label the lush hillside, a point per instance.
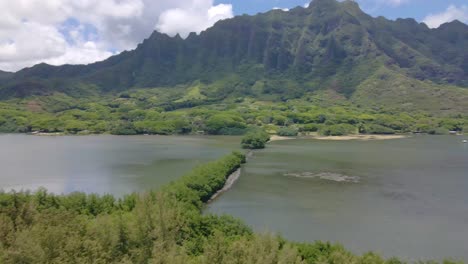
(328, 45)
(405, 94)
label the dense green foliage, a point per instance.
(288, 132)
(164, 226)
(277, 56)
(134, 115)
(256, 139)
(338, 130)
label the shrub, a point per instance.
(155, 127)
(123, 129)
(378, 129)
(338, 130)
(465, 129)
(288, 132)
(225, 123)
(255, 140)
(310, 128)
(439, 131)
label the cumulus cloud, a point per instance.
(26, 41)
(198, 16)
(279, 8)
(84, 31)
(450, 14)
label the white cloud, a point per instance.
(450, 14)
(80, 54)
(394, 2)
(84, 31)
(279, 8)
(195, 18)
(31, 41)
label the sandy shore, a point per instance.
(47, 134)
(342, 138)
(280, 138)
(361, 137)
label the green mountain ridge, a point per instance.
(4, 74)
(329, 45)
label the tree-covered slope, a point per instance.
(329, 45)
(396, 91)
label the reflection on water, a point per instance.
(407, 197)
(328, 176)
(403, 197)
(103, 164)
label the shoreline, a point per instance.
(273, 138)
(44, 134)
(341, 138)
(230, 180)
(280, 138)
(361, 137)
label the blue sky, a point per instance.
(417, 9)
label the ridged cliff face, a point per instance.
(330, 44)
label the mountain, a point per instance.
(4, 74)
(329, 45)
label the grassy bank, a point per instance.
(163, 226)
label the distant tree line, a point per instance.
(287, 119)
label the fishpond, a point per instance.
(103, 164)
(403, 197)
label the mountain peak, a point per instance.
(319, 44)
(333, 5)
(454, 26)
(456, 23)
(331, 2)
(322, 3)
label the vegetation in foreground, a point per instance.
(164, 226)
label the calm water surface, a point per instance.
(406, 198)
(103, 164)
